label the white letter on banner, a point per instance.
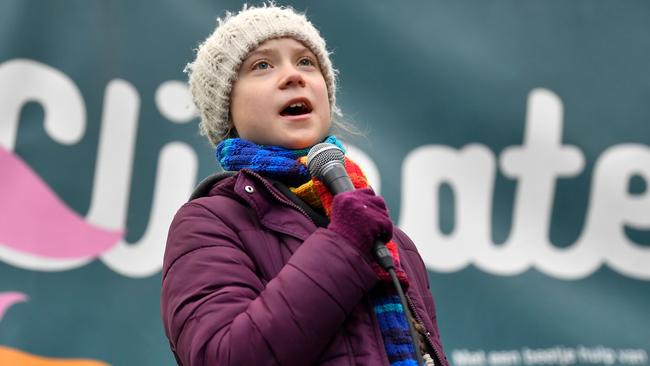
(114, 165)
(612, 207)
(366, 164)
(175, 177)
(174, 101)
(536, 164)
(23, 81)
(470, 173)
(175, 180)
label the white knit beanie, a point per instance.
(215, 69)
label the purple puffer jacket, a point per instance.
(249, 279)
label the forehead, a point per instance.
(279, 44)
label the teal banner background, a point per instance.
(510, 140)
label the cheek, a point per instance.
(235, 103)
(326, 110)
(323, 99)
(242, 103)
(327, 117)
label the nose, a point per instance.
(292, 78)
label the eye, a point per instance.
(306, 61)
(261, 65)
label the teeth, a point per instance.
(296, 105)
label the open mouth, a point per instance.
(296, 108)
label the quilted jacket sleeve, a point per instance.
(216, 311)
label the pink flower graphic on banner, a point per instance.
(33, 220)
(8, 299)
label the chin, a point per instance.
(297, 145)
(302, 143)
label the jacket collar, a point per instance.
(274, 210)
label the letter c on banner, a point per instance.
(23, 81)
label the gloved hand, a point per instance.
(361, 217)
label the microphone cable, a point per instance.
(325, 161)
(384, 259)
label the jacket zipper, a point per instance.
(428, 334)
(277, 197)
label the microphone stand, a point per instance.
(384, 259)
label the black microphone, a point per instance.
(326, 163)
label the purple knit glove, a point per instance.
(361, 217)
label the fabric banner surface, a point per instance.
(511, 141)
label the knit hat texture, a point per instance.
(219, 57)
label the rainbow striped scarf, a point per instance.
(289, 166)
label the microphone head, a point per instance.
(322, 155)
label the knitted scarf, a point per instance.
(289, 166)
